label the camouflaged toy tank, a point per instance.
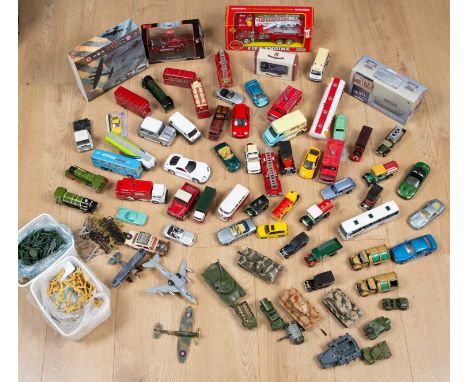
(340, 305)
(376, 353)
(306, 315)
(259, 265)
(223, 284)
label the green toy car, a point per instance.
(401, 303)
(375, 353)
(413, 181)
(229, 159)
(339, 127)
(376, 327)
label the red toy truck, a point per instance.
(184, 200)
(280, 211)
(179, 77)
(285, 103)
(133, 102)
(361, 143)
(270, 174)
(331, 160)
(134, 189)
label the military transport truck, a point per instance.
(329, 248)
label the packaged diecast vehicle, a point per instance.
(256, 93)
(411, 249)
(230, 161)
(413, 181)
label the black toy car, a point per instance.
(322, 280)
(371, 198)
(276, 69)
(257, 206)
(285, 158)
(294, 245)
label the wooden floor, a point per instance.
(409, 36)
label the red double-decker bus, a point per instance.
(331, 160)
(285, 103)
(133, 102)
(199, 99)
(179, 77)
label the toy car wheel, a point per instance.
(129, 198)
(140, 135)
(194, 180)
(289, 41)
(128, 236)
(279, 41)
(246, 41)
(171, 172)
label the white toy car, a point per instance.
(179, 235)
(198, 172)
(252, 159)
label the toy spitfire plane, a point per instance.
(175, 282)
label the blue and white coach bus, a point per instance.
(119, 164)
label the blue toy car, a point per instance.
(256, 93)
(410, 249)
(132, 217)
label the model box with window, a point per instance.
(276, 64)
(385, 90)
(173, 41)
(285, 28)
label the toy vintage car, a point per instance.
(285, 158)
(341, 351)
(339, 127)
(343, 186)
(414, 180)
(299, 241)
(423, 216)
(257, 206)
(255, 92)
(319, 281)
(184, 200)
(371, 198)
(220, 117)
(229, 96)
(272, 230)
(132, 217)
(197, 172)
(400, 303)
(310, 163)
(411, 249)
(376, 327)
(376, 353)
(240, 121)
(179, 235)
(381, 172)
(146, 241)
(236, 231)
(252, 159)
(224, 152)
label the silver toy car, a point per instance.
(343, 186)
(236, 231)
(179, 235)
(423, 216)
(229, 96)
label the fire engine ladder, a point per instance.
(224, 70)
(271, 173)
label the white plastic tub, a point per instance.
(94, 319)
(46, 221)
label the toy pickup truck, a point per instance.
(183, 201)
(280, 211)
(220, 117)
(329, 248)
(317, 213)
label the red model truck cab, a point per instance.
(331, 160)
(134, 189)
(184, 200)
(361, 143)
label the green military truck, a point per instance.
(270, 312)
(329, 248)
(204, 204)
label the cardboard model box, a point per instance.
(283, 28)
(108, 59)
(382, 88)
(173, 41)
(272, 63)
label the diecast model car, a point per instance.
(115, 124)
(197, 172)
(430, 211)
(299, 241)
(269, 231)
(413, 181)
(229, 96)
(236, 231)
(371, 198)
(339, 127)
(184, 200)
(255, 92)
(400, 303)
(410, 249)
(310, 163)
(257, 206)
(252, 159)
(343, 186)
(229, 159)
(376, 327)
(179, 235)
(279, 70)
(240, 121)
(132, 217)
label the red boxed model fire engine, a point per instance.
(275, 27)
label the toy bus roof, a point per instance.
(284, 123)
(320, 59)
(116, 159)
(368, 216)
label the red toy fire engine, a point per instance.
(199, 99)
(223, 69)
(270, 174)
(284, 28)
(133, 102)
(285, 103)
(133, 189)
(280, 211)
(331, 160)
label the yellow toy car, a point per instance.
(116, 124)
(310, 163)
(269, 231)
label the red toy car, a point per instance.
(184, 200)
(240, 121)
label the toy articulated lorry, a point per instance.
(329, 248)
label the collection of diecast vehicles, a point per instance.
(286, 123)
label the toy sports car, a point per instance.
(224, 152)
(179, 235)
(430, 211)
(229, 96)
(198, 172)
(236, 231)
(410, 249)
(132, 217)
(413, 181)
(255, 92)
(310, 163)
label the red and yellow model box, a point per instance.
(285, 28)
